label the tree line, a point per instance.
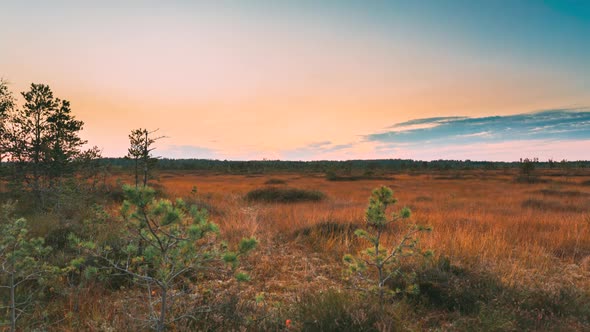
(346, 166)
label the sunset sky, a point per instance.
(307, 80)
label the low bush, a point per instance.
(446, 286)
(275, 181)
(284, 195)
(333, 311)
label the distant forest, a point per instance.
(351, 166)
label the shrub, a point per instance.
(527, 166)
(446, 286)
(527, 171)
(284, 195)
(22, 262)
(275, 181)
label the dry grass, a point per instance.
(524, 234)
(475, 222)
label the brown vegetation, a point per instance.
(508, 255)
(531, 237)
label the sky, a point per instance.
(312, 80)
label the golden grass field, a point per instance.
(478, 216)
(526, 234)
(531, 236)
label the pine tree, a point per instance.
(21, 261)
(64, 143)
(177, 240)
(381, 259)
(140, 151)
(43, 139)
(33, 132)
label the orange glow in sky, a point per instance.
(251, 82)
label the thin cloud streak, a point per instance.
(561, 124)
(315, 151)
(187, 151)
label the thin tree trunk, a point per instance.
(136, 173)
(380, 269)
(37, 159)
(145, 174)
(162, 320)
(36, 187)
(12, 304)
(146, 158)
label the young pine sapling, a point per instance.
(379, 258)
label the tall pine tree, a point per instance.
(140, 151)
(43, 139)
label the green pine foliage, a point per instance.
(381, 262)
(164, 242)
(23, 265)
(6, 105)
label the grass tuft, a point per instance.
(328, 229)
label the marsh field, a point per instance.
(507, 255)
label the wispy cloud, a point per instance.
(320, 150)
(427, 122)
(187, 151)
(319, 145)
(561, 124)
